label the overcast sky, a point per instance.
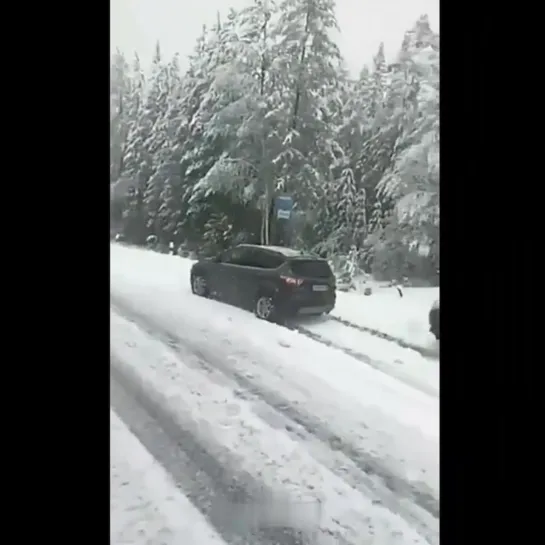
(137, 24)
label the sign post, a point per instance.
(283, 209)
(283, 206)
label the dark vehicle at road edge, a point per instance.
(434, 319)
(273, 281)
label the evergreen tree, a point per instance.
(312, 78)
(119, 116)
(412, 181)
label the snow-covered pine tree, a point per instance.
(119, 92)
(125, 159)
(413, 178)
(210, 88)
(171, 210)
(137, 133)
(239, 118)
(355, 131)
(155, 145)
(404, 220)
(310, 65)
(380, 144)
(357, 160)
(260, 128)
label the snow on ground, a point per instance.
(404, 318)
(232, 430)
(405, 364)
(372, 411)
(384, 311)
(145, 505)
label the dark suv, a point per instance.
(273, 281)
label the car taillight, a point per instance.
(291, 281)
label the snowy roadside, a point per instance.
(227, 423)
(404, 318)
(145, 505)
(407, 365)
(384, 312)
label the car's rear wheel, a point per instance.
(199, 285)
(264, 308)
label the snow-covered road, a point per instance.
(145, 505)
(282, 430)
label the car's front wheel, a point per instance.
(199, 285)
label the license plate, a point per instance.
(319, 287)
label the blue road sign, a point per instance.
(283, 206)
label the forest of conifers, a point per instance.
(264, 107)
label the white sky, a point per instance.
(137, 24)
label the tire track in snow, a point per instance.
(426, 352)
(216, 493)
(383, 368)
(365, 463)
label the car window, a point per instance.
(236, 256)
(252, 257)
(246, 257)
(311, 268)
(267, 260)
